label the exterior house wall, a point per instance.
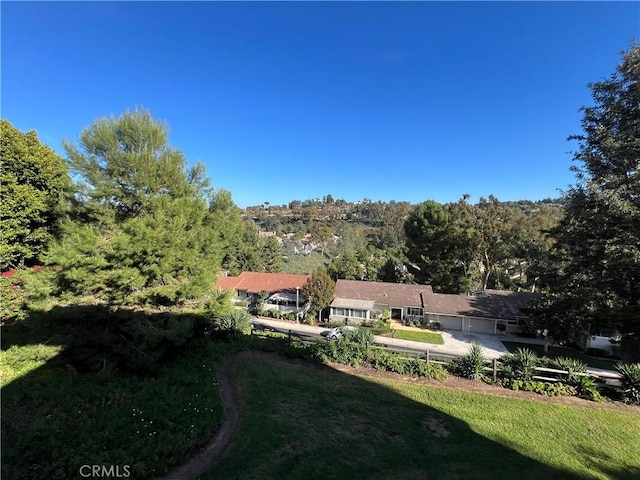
(353, 314)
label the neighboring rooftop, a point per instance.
(256, 282)
(500, 304)
(382, 293)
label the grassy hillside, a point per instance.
(305, 422)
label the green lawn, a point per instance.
(427, 337)
(298, 421)
(555, 352)
(54, 420)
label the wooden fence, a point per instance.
(546, 374)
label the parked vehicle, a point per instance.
(337, 332)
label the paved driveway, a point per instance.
(455, 343)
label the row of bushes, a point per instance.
(308, 318)
(518, 370)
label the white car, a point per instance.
(336, 333)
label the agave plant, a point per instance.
(521, 365)
(630, 379)
(572, 366)
(472, 364)
(231, 325)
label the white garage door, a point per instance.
(478, 325)
(450, 323)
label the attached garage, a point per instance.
(450, 322)
(481, 325)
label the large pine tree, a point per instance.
(141, 230)
(595, 285)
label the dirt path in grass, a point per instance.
(213, 452)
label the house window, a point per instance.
(339, 311)
(358, 313)
(513, 322)
(417, 311)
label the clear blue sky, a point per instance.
(284, 101)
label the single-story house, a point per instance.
(359, 300)
(479, 312)
(284, 289)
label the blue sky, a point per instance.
(295, 100)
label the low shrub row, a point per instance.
(356, 350)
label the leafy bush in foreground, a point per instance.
(543, 388)
(349, 351)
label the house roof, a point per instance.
(382, 293)
(350, 303)
(498, 304)
(256, 282)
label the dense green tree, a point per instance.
(141, 230)
(594, 284)
(392, 234)
(33, 183)
(319, 291)
(498, 228)
(347, 267)
(431, 248)
(270, 255)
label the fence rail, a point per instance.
(548, 374)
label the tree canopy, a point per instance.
(141, 230)
(319, 290)
(33, 181)
(431, 248)
(596, 260)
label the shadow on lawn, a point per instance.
(298, 422)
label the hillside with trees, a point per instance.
(456, 247)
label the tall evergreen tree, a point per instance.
(594, 285)
(141, 230)
(432, 240)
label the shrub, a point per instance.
(384, 360)
(420, 368)
(231, 326)
(572, 365)
(363, 336)
(543, 388)
(471, 365)
(630, 379)
(12, 297)
(520, 365)
(586, 387)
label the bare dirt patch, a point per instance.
(437, 426)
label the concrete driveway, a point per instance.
(455, 343)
